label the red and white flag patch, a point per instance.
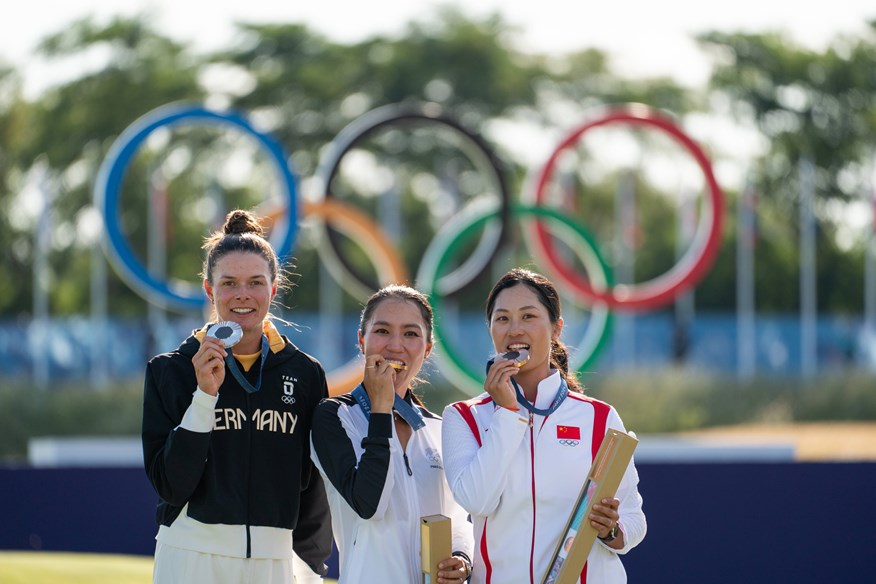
(568, 433)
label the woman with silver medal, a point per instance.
(225, 447)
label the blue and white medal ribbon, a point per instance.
(238, 375)
(409, 414)
(558, 399)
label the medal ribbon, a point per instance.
(238, 375)
(558, 399)
(409, 413)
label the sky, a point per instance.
(642, 37)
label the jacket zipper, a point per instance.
(248, 478)
(413, 497)
(532, 458)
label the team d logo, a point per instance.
(288, 392)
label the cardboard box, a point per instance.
(435, 545)
(605, 475)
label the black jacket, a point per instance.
(254, 467)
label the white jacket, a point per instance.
(521, 479)
(378, 492)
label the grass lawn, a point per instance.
(70, 568)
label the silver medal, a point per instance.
(229, 332)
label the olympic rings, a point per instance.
(107, 190)
(692, 266)
(395, 114)
(491, 216)
(451, 239)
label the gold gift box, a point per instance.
(435, 545)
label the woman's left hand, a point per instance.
(452, 571)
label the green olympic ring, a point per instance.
(455, 234)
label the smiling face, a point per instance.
(520, 321)
(397, 331)
(242, 290)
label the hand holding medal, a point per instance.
(498, 383)
(209, 361)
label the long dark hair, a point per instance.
(549, 297)
(408, 294)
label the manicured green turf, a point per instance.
(52, 568)
(68, 568)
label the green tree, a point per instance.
(71, 125)
(304, 89)
(808, 104)
(811, 105)
(470, 67)
(13, 131)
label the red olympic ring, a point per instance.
(688, 271)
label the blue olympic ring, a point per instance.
(107, 190)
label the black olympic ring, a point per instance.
(395, 115)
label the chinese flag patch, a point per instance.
(568, 433)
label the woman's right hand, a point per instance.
(452, 570)
(498, 383)
(209, 364)
(379, 383)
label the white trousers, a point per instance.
(178, 566)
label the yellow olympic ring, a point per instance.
(361, 228)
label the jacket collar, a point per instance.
(547, 390)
